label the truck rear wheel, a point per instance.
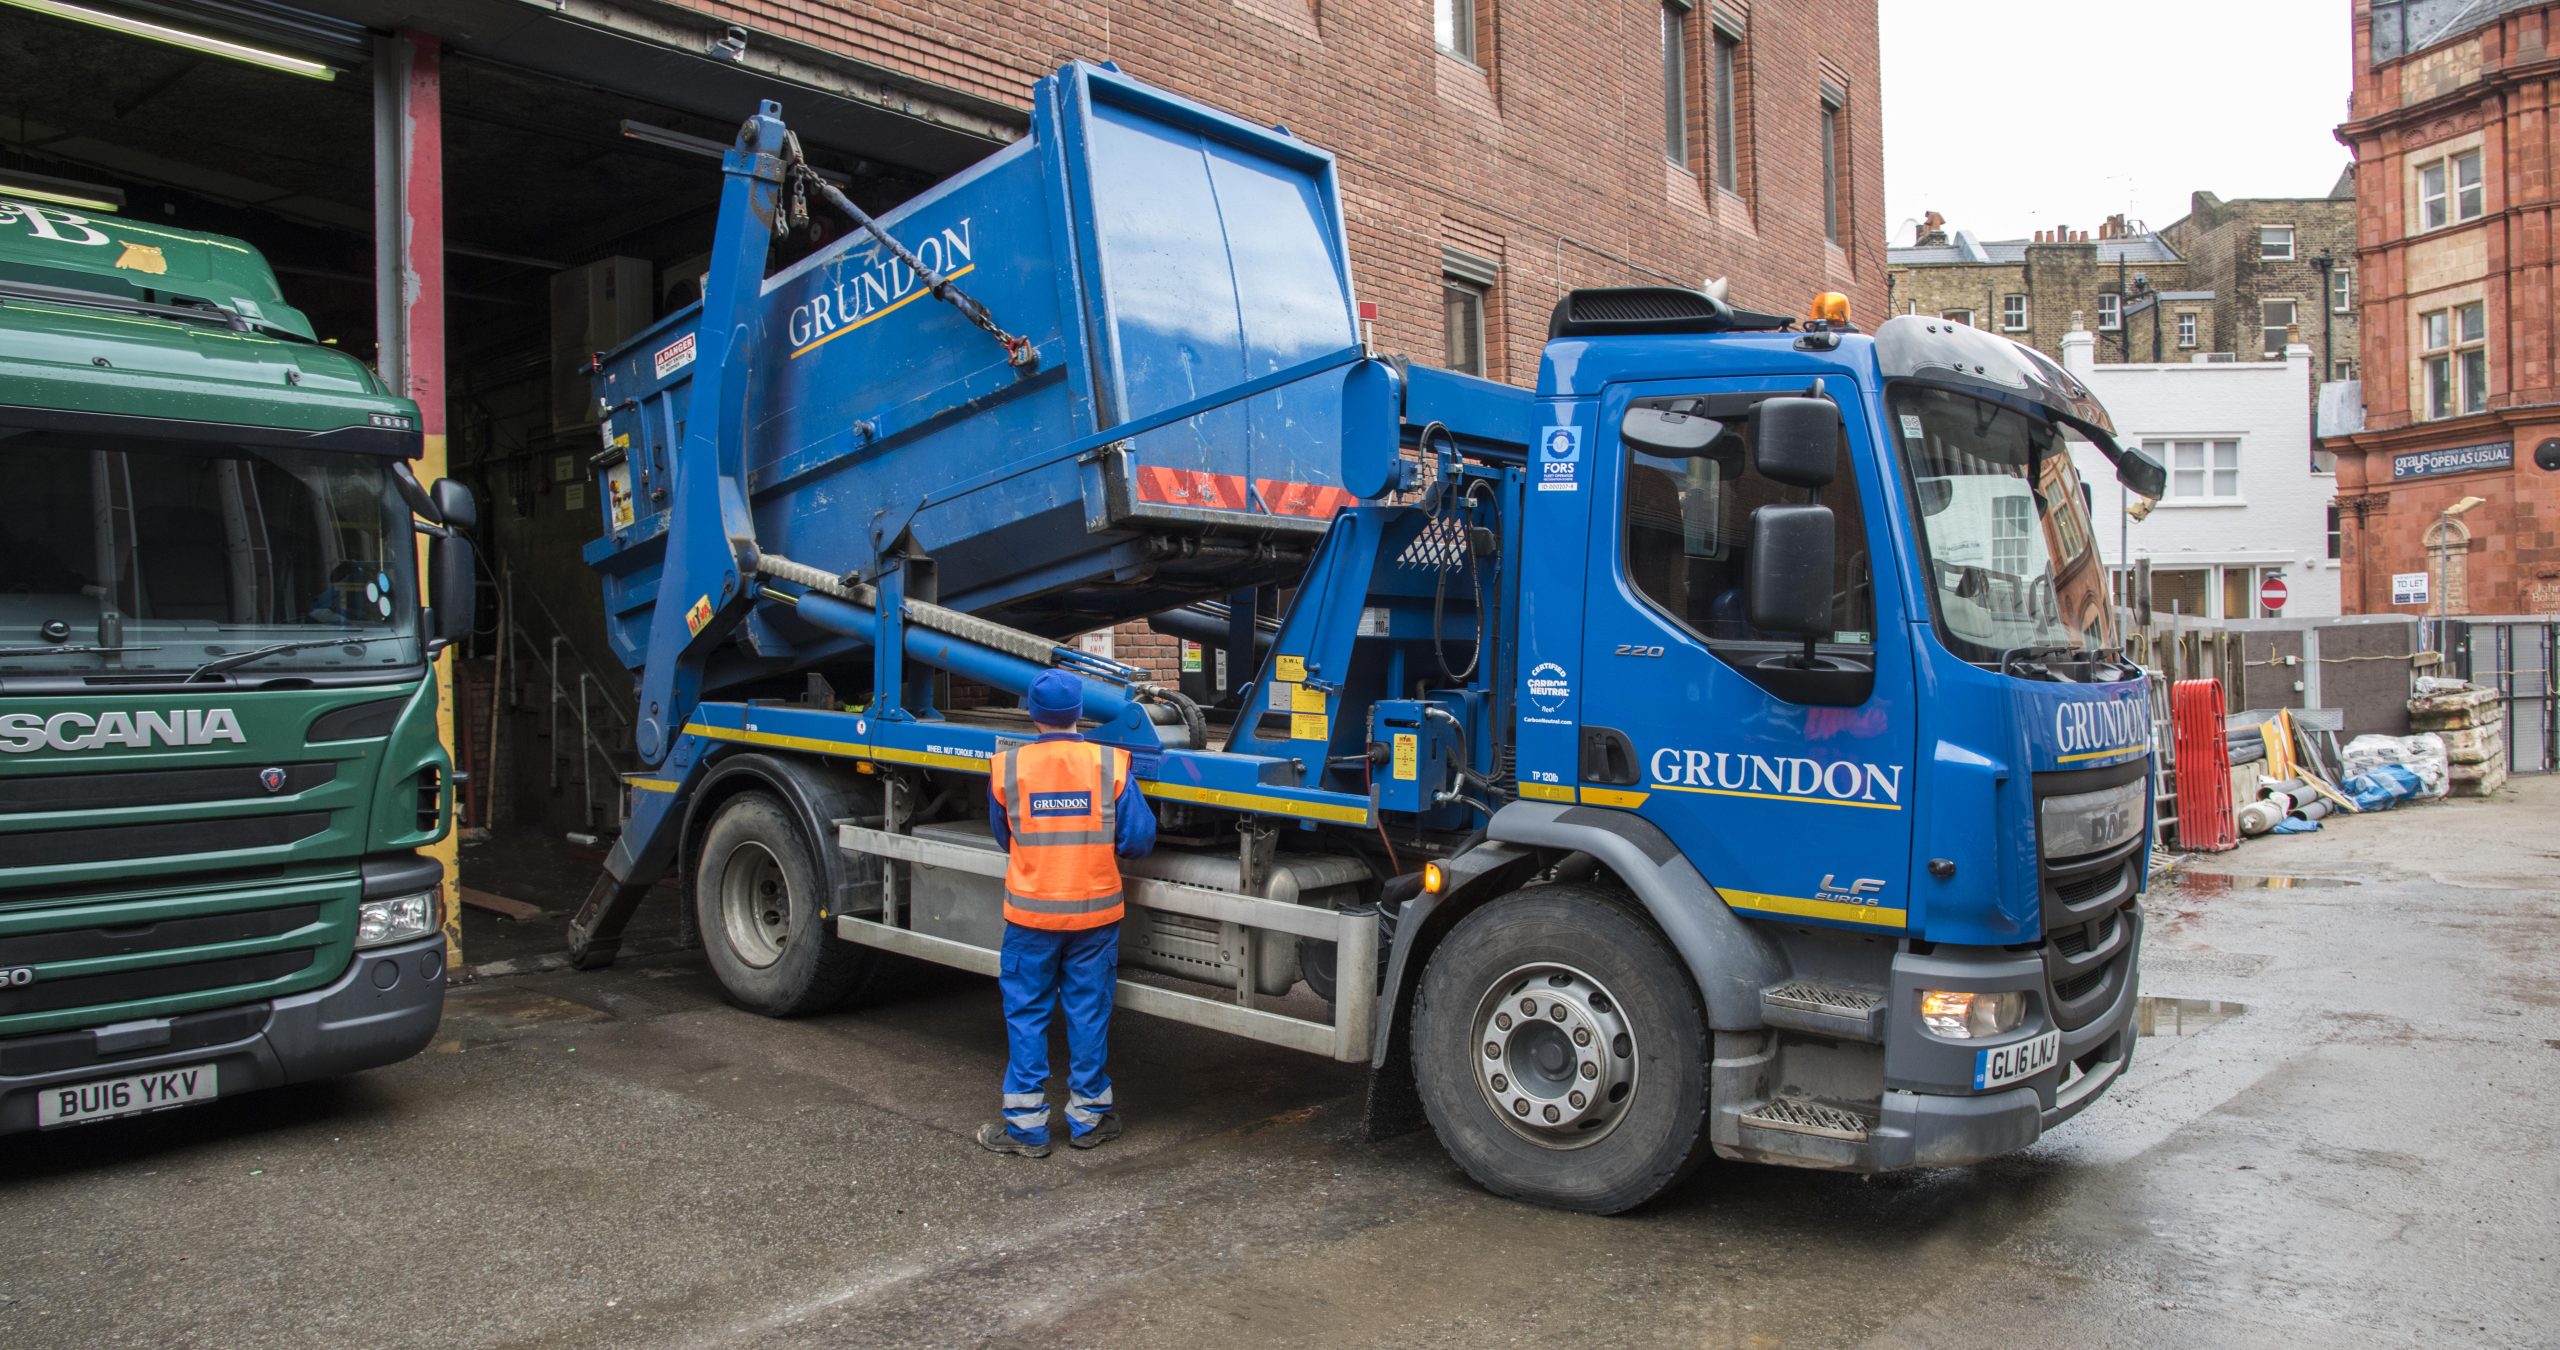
(756, 897)
(1560, 1052)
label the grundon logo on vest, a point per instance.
(22, 732)
(1061, 803)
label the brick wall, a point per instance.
(1935, 290)
(2220, 242)
(2060, 278)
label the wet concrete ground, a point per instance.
(2362, 1156)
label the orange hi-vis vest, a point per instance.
(1058, 796)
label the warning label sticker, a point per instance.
(674, 356)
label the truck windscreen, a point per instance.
(2013, 563)
(127, 559)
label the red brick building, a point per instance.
(2458, 199)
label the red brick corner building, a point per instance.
(2456, 135)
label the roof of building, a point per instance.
(2404, 26)
(1965, 250)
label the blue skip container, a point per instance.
(1180, 433)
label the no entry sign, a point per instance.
(2271, 593)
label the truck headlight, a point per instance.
(399, 918)
(1967, 1014)
(2092, 822)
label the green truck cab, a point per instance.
(219, 760)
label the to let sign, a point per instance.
(2408, 588)
(2272, 594)
(2459, 459)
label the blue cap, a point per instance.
(1055, 698)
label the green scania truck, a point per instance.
(219, 761)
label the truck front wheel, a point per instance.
(1560, 1051)
(756, 899)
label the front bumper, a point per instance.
(1815, 1102)
(385, 1008)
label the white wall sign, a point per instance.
(2408, 588)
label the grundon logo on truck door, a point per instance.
(1790, 778)
(22, 732)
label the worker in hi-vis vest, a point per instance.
(1066, 811)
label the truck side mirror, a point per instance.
(450, 568)
(454, 505)
(1796, 441)
(1793, 561)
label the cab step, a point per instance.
(1844, 1012)
(1804, 1115)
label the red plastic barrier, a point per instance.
(2206, 822)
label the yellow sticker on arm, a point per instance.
(1306, 700)
(1406, 745)
(1292, 668)
(1309, 727)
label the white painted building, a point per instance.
(2245, 499)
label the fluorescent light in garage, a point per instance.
(179, 37)
(36, 187)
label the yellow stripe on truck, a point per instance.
(1797, 907)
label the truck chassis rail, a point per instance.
(1355, 937)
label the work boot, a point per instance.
(993, 1137)
(1103, 1132)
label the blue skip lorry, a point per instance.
(1722, 748)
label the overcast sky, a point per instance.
(2009, 116)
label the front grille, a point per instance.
(125, 986)
(2087, 906)
(203, 930)
(126, 843)
(159, 787)
(2079, 941)
(2075, 892)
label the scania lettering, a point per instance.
(1718, 750)
(218, 751)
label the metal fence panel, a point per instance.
(2520, 658)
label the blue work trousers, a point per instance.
(1041, 967)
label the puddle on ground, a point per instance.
(483, 1014)
(2222, 883)
(2183, 1016)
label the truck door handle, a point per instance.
(1607, 756)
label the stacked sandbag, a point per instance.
(2473, 725)
(2423, 755)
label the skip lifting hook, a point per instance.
(1018, 351)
